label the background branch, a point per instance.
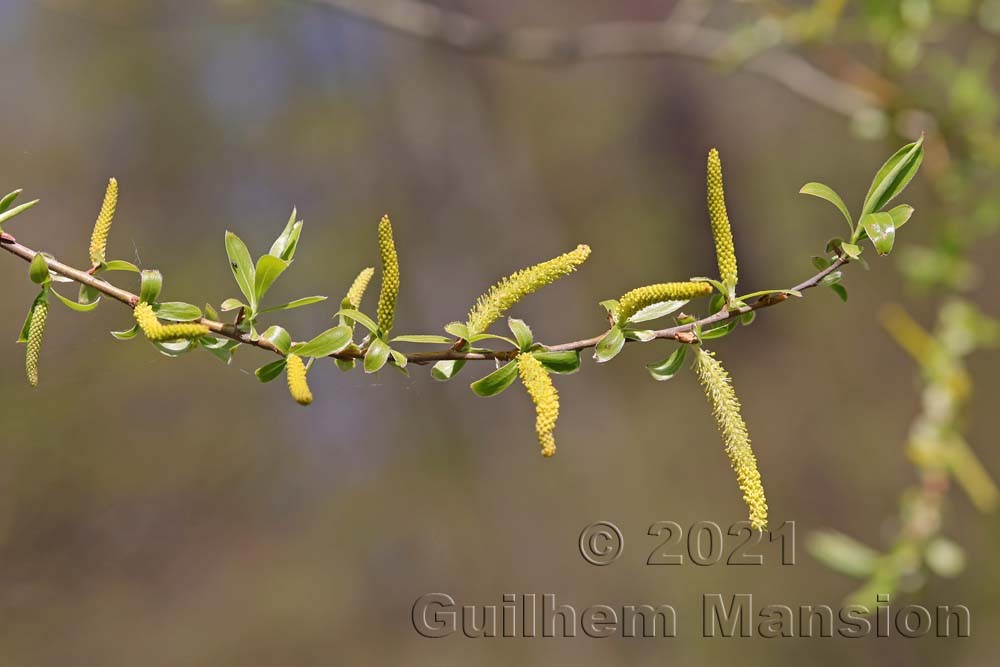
(623, 39)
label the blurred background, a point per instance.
(177, 512)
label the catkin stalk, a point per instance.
(390, 276)
(641, 297)
(99, 237)
(297, 385)
(545, 397)
(726, 409)
(36, 329)
(358, 287)
(158, 332)
(490, 306)
(725, 252)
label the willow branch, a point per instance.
(683, 333)
(612, 40)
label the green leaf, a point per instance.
(221, 349)
(376, 355)
(174, 348)
(38, 270)
(765, 292)
(880, 229)
(666, 369)
(297, 303)
(522, 333)
(17, 210)
(278, 337)
(177, 311)
(128, 334)
(826, 192)
(398, 359)
(210, 312)
(360, 318)
(232, 304)
(330, 341)
(8, 199)
(120, 265)
(747, 319)
(285, 245)
(610, 305)
(821, 262)
(497, 381)
(42, 296)
(610, 345)
(269, 268)
(840, 290)
(851, 250)
(657, 310)
(429, 339)
(270, 371)
(447, 369)
(88, 294)
(719, 331)
(214, 343)
(242, 267)
(150, 286)
(832, 278)
(73, 305)
(644, 335)
(344, 364)
(563, 362)
(900, 215)
(894, 176)
(719, 287)
(458, 330)
(843, 554)
(486, 336)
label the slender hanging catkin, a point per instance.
(490, 306)
(545, 397)
(390, 276)
(358, 287)
(36, 329)
(726, 408)
(634, 301)
(99, 238)
(297, 385)
(725, 252)
(157, 332)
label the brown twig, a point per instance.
(682, 333)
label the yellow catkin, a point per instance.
(545, 397)
(490, 306)
(36, 329)
(358, 287)
(634, 301)
(158, 332)
(297, 385)
(725, 252)
(99, 239)
(726, 408)
(390, 276)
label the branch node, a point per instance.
(686, 337)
